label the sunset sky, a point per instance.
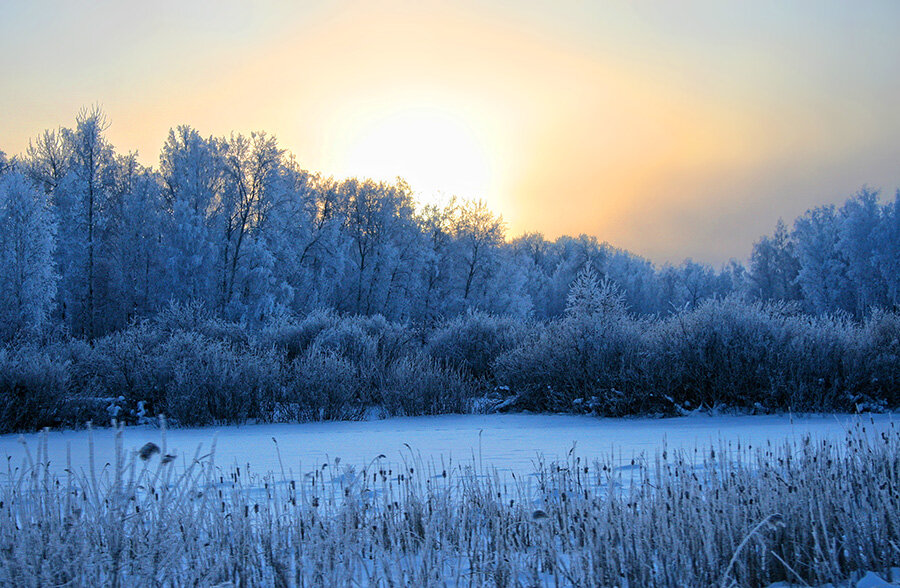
(673, 129)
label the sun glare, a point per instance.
(435, 151)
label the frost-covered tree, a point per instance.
(482, 269)
(584, 297)
(75, 167)
(887, 258)
(687, 285)
(236, 225)
(131, 267)
(47, 160)
(507, 294)
(823, 272)
(27, 271)
(300, 236)
(323, 255)
(382, 232)
(478, 233)
(858, 244)
(535, 256)
(635, 277)
(732, 279)
(565, 259)
(192, 174)
(774, 267)
(5, 164)
(697, 282)
(436, 284)
(593, 298)
(251, 190)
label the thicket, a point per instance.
(598, 359)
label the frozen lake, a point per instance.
(508, 442)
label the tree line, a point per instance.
(230, 284)
(92, 240)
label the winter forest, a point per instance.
(308, 297)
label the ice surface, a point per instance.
(508, 442)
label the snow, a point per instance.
(868, 580)
(507, 442)
(872, 580)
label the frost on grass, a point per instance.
(807, 511)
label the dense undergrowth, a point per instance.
(197, 369)
(807, 512)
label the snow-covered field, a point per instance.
(509, 442)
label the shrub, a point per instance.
(347, 339)
(293, 338)
(723, 351)
(124, 364)
(393, 340)
(32, 391)
(817, 367)
(182, 317)
(321, 385)
(474, 340)
(880, 357)
(418, 385)
(595, 359)
(582, 362)
(195, 317)
(208, 381)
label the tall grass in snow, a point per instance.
(805, 512)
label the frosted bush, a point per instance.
(819, 367)
(350, 341)
(294, 337)
(124, 363)
(320, 385)
(582, 362)
(195, 317)
(722, 352)
(596, 359)
(222, 330)
(474, 340)
(393, 340)
(418, 385)
(771, 357)
(210, 381)
(880, 354)
(32, 390)
(188, 316)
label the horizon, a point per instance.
(671, 134)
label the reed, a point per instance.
(809, 511)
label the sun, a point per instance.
(437, 153)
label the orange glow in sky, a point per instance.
(671, 129)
